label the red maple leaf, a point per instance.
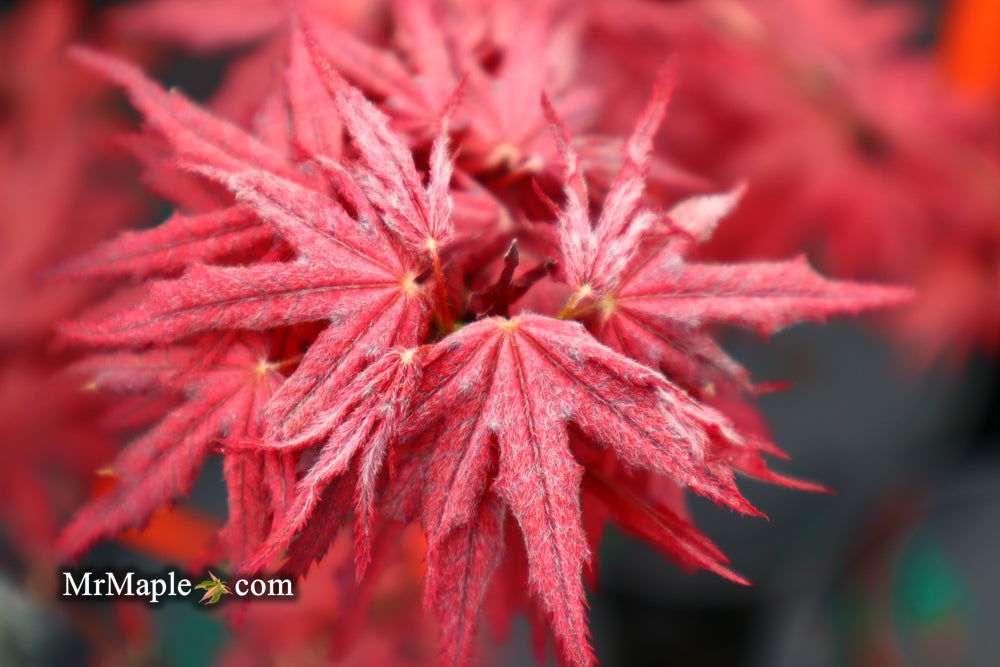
(223, 383)
(630, 270)
(519, 383)
(511, 439)
(360, 424)
(350, 275)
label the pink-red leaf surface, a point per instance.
(225, 386)
(502, 394)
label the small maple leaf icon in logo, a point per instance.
(215, 588)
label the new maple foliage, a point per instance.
(859, 150)
(350, 323)
(223, 384)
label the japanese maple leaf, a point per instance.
(663, 306)
(652, 304)
(595, 255)
(495, 404)
(360, 275)
(224, 384)
(421, 216)
(359, 425)
(351, 275)
(485, 428)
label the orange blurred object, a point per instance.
(176, 535)
(971, 46)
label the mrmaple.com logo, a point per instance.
(92, 584)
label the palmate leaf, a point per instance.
(631, 273)
(595, 255)
(356, 430)
(349, 274)
(420, 216)
(225, 383)
(662, 309)
(356, 274)
(502, 393)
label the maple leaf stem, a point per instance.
(574, 300)
(289, 361)
(441, 292)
